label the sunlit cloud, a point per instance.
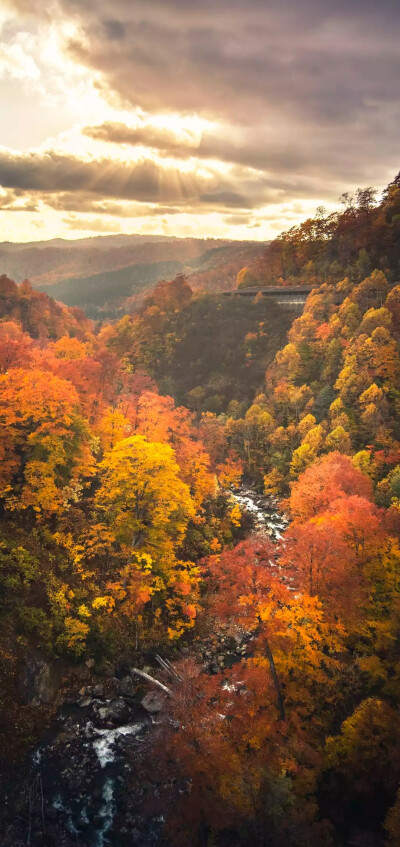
(234, 118)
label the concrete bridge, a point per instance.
(290, 296)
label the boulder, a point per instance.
(153, 702)
(84, 701)
(117, 711)
(39, 681)
(125, 687)
(98, 690)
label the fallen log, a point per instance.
(148, 678)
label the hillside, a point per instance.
(48, 262)
(120, 540)
(108, 275)
(363, 237)
(209, 352)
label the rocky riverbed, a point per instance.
(82, 787)
(87, 782)
(264, 512)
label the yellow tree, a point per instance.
(143, 497)
(148, 507)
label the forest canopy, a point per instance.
(124, 448)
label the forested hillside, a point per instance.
(209, 352)
(109, 276)
(352, 243)
(272, 658)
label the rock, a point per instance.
(84, 701)
(153, 702)
(38, 682)
(125, 687)
(98, 690)
(62, 736)
(117, 711)
(103, 713)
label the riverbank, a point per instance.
(88, 783)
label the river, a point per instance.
(83, 786)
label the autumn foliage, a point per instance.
(120, 533)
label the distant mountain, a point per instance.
(109, 275)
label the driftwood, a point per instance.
(166, 665)
(151, 679)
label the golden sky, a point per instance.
(232, 118)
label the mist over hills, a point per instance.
(108, 275)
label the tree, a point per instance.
(16, 347)
(45, 443)
(238, 737)
(338, 439)
(325, 481)
(142, 497)
(245, 278)
(364, 757)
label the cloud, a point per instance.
(85, 203)
(265, 149)
(16, 201)
(300, 58)
(143, 181)
(297, 86)
(92, 224)
(15, 63)
(301, 98)
(146, 135)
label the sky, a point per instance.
(221, 118)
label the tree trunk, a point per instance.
(277, 684)
(151, 679)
